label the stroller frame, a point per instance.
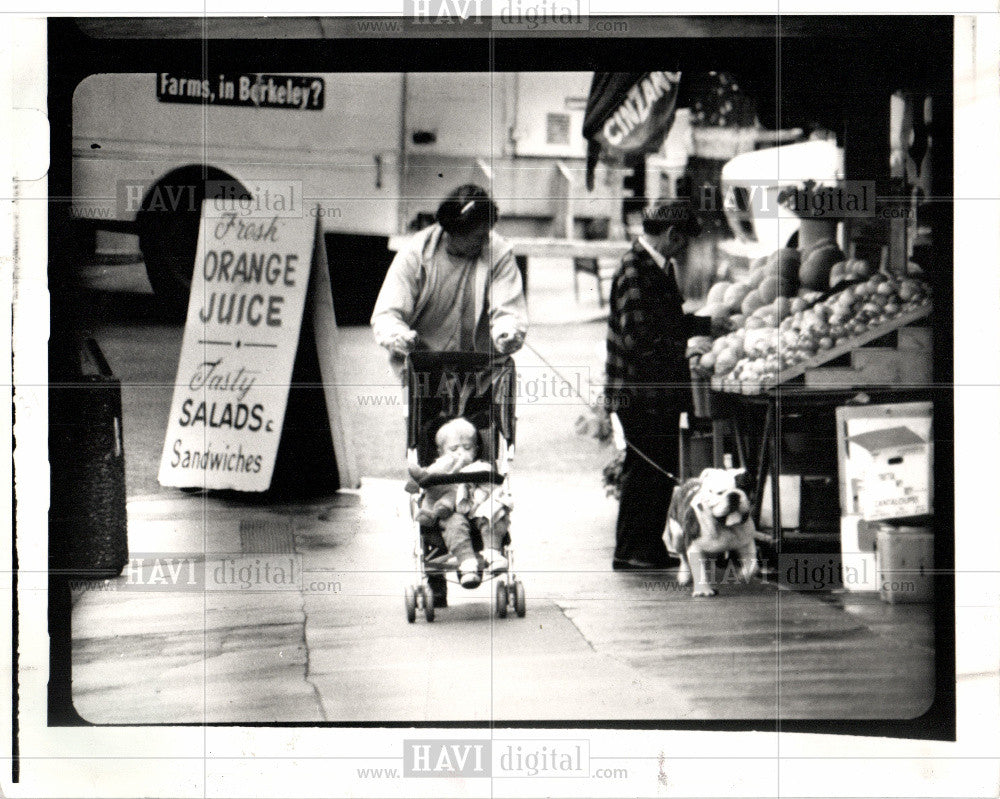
(443, 386)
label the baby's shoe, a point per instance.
(495, 561)
(468, 573)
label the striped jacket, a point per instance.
(647, 336)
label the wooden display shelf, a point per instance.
(747, 387)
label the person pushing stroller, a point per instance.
(453, 287)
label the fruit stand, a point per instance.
(795, 348)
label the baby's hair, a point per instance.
(456, 427)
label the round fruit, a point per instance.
(785, 263)
(735, 294)
(717, 292)
(754, 323)
(908, 290)
(817, 267)
(757, 276)
(782, 307)
(751, 303)
(725, 362)
(787, 288)
(859, 269)
(718, 312)
(708, 361)
(798, 304)
(768, 290)
(826, 343)
(737, 321)
(838, 274)
(827, 242)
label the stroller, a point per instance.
(440, 387)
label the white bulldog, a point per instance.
(710, 515)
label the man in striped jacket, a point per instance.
(648, 379)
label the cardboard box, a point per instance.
(905, 557)
(895, 467)
(853, 420)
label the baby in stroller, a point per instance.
(459, 454)
(458, 506)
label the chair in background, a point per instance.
(593, 230)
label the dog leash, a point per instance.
(584, 402)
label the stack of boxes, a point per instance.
(887, 543)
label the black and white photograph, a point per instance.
(450, 400)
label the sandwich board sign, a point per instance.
(260, 342)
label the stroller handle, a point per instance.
(492, 476)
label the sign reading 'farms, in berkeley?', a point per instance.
(296, 92)
(248, 292)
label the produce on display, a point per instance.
(787, 332)
(818, 265)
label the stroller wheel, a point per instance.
(428, 602)
(520, 603)
(503, 599)
(410, 600)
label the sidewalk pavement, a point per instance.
(335, 645)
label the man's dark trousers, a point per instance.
(646, 488)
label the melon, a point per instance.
(817, 267)
(751, 303)
(787, 288)
(757, 275)
(735, 295)
(768, 290)
(717, 311)
(785, 263)
(824, 242)
(717, 292)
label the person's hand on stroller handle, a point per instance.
(403, 342)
